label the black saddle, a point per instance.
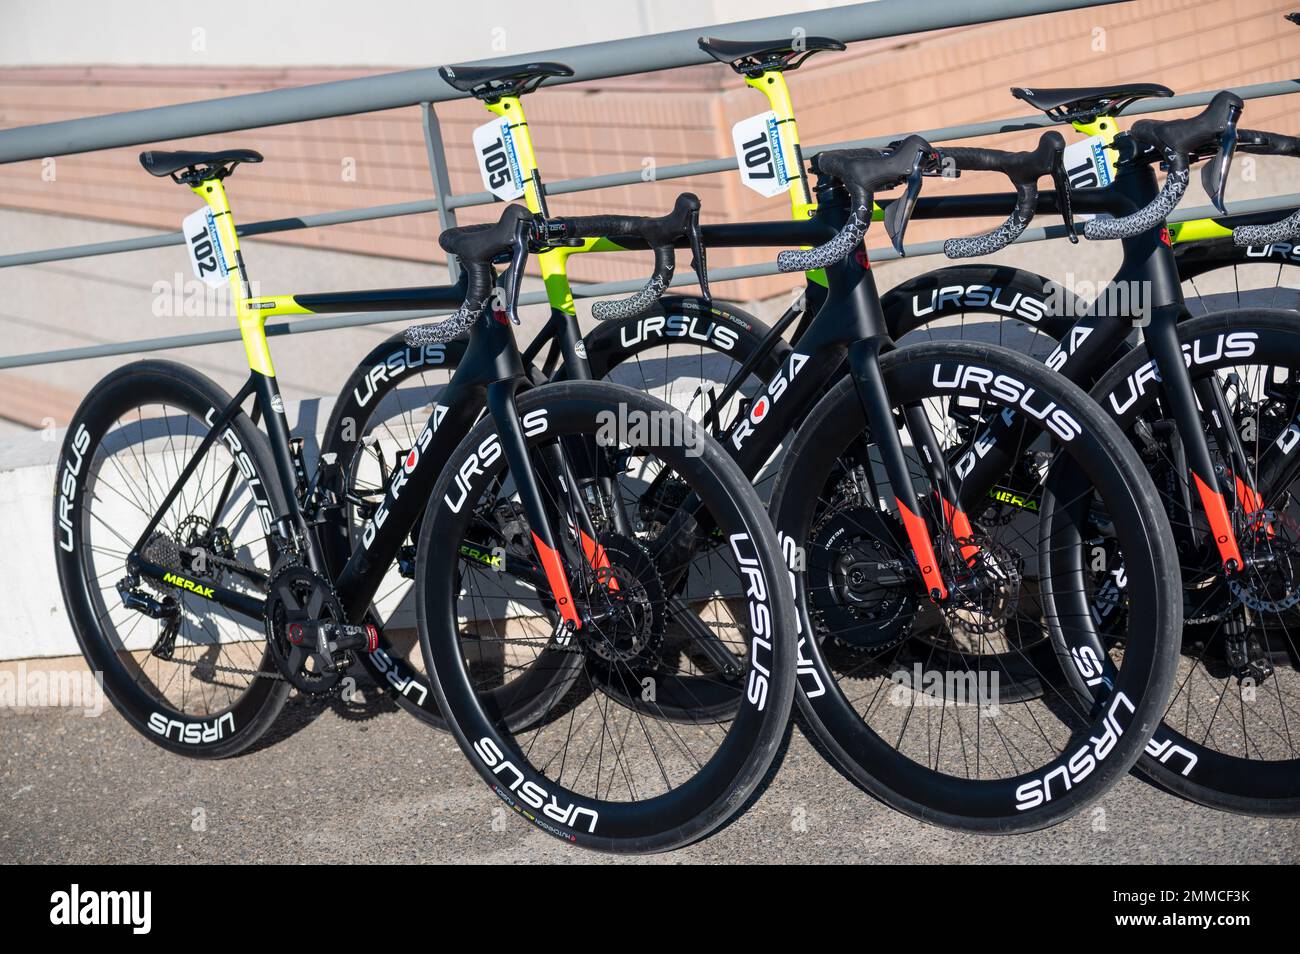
(752, 57)
(490, 83)
(203, 165)
(1085, 103)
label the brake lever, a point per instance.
(899, 212)
(1217, 171)
(514, 276)
(1061, 183)
(698, 261)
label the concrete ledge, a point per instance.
(33, 623)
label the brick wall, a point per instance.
(887, 86)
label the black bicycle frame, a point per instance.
(488, 376)
(1149, 265)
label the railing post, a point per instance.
(441, 181)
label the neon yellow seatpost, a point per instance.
(252, 321)
(554, 263)
(512, 110)
(772, 84)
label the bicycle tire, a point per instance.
(230, 729)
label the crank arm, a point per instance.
(715, 649)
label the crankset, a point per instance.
(310, 640)
(861, 583)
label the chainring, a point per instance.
(298, 602)
(862, 586)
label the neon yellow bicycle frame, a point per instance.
(251, 312)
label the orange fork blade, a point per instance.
(1253, 504)
(923, 549)
(1216, 511)
(598, 558)
(558, 580)
(961, 529)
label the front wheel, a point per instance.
(682, 350)
(1231, 735)
(907, 695)
(679, 682)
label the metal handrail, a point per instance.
(634, 55)
(611, 179)
(593, 61)
(684, 277)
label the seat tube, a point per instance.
(252, 321)
(554, 263)
(772, 84)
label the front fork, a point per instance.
(864, 364)
(543, 515)
(1182, 398)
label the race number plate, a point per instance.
(764, 166)
(498, 162)
(207, 257)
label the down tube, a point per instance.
(408, 492)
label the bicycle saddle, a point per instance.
(490, 83)
(752, 57)
(1087, 102)
(219, 164)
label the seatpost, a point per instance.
(252, 321)
(772, 84)
(553, 263)
(511, 108)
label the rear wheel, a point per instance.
(1218, 275)
(197, 678)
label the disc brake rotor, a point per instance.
(626, 606)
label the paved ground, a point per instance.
(90, 790)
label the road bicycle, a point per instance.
(913, 608)
(1208, 402)
(192, 556)
(1235, 750)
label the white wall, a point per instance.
(392, 33)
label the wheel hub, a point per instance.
(982, 596)
(624, 615)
